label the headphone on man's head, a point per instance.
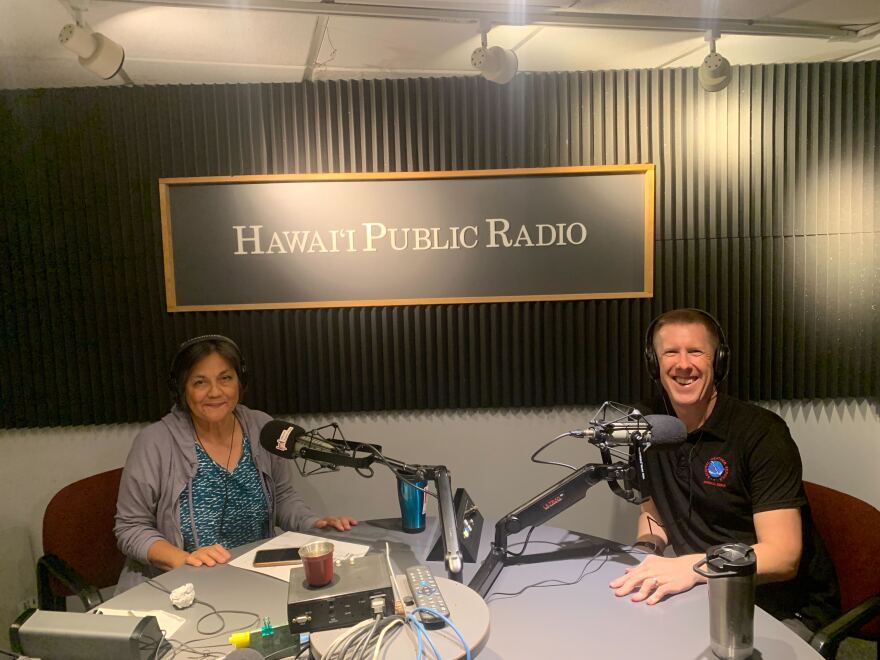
(720, 361)
(174, 385)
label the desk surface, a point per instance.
(583, 620)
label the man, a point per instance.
(737, 477)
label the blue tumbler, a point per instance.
(412, 503)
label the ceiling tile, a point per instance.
(580, 49)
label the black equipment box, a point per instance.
(343, 602)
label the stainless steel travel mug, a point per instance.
(730, 569)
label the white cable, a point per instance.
(345, 635)
(382, 636)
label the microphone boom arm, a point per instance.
(332, 453)
(541, 508)
(451, 549)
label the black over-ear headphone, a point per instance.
(174, 385)
(720, 361)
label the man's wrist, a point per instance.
(648, 546)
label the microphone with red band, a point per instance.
(281, 438)
(291, 441)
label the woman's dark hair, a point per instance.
(193, 351)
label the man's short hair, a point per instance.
(688, 316)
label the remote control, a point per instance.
(426, 594)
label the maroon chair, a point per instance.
(850, 529)
(79, 548)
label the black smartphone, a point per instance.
(276, 557)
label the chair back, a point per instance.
(78, 528)
(850, 529)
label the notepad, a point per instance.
(341, 550)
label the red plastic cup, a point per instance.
(317, 560)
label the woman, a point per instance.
(198, 482)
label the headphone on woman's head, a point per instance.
(720, 361)
(174, 375)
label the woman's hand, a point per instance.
(342, 523)
(658, 577)
(209, 555)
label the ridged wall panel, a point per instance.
(767, 215)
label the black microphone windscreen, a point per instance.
(244, 654)
(666, 429)
(278, 437)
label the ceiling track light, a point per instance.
(97, 53)
(495, 64)
(714, 74)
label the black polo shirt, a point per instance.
(742, 461)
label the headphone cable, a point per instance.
(226, 476)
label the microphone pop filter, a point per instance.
(279, 437)
(244, 654)
(666, 429)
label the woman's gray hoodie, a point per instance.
(162, 463)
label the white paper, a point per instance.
(169, 623)
(341, 550)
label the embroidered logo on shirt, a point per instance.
(716, 472)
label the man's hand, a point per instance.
(209, 555)
(658, 577)
(342, 523)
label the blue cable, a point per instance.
(464, 644)
(419, 629)
(428, 637)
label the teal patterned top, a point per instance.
(230, 507)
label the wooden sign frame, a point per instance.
(166, 184)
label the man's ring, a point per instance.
(655, 582)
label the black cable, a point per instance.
(226, 478)
(554, 582)
(542, 448)
(158, 586)
(11, 655)
(690, 474)
(658, 523)
(159, 645)
(182, 647)
(366, 447)
(524, 544)
(214, 612)
(382, 458)
(301, 651)
(226, 475)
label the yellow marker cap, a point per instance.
(240, 640)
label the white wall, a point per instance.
(487, 452)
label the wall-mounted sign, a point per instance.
(340, 240)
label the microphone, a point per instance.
(636, 429)
(287, 440)
(279, 437)
(291, 441)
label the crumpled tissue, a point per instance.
(183, 596)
